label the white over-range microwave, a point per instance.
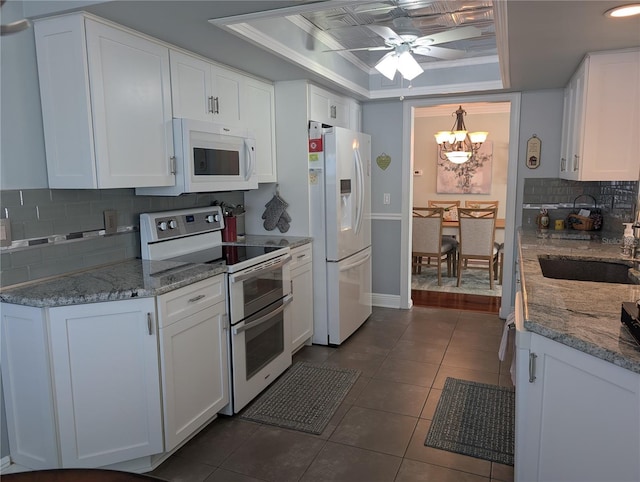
(210, 157)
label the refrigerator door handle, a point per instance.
(360, 181)
(355, 263)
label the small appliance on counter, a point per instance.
(629, 319)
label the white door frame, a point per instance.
(409, 107)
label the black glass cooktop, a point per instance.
(229, 255)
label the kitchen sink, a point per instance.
(585, 270)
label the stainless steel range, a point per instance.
(258, 292)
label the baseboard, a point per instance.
(4, 463)
(385, 301)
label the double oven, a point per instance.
(258, 292)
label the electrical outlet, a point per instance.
(387, 198)
(110, 221)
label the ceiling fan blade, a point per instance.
(361, 48)
(448, 36)
(438, 52)
(386, 33)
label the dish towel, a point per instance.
(510, 323)
(275, 214)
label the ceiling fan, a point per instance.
(404, 39)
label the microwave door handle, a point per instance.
(360, 181)
(250, 146)
(233, 278)
(263, 319)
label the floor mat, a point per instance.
(304, 398)
(475, 419)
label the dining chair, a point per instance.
(427, 241)
(477, 227)
(481, 204)
(450, 208)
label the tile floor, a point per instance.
(378, 432)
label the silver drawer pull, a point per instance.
(300, 256)
(196, 298)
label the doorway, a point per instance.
(413, 113)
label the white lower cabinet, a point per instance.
(302, 291)
(577, 416)
(193, 339)
(107, 390)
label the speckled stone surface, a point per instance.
(133, 278)
(584, 315)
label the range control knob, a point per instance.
(212, 218)
(172, 224)
(162, 225)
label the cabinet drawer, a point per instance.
(178, 304)
(300, 256)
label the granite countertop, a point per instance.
(584, 315)
(134, 278)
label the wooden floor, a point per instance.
(456, 301)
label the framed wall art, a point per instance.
(471, 177)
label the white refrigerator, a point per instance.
(340, 194)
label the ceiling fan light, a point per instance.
(478, 137)
(458, 157)
(408, 66)
(388, 65)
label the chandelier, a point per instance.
(457, 145)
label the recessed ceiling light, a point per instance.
(624, 11)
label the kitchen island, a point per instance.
(584, 315)
(577, 369)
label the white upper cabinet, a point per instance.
(258, 113)
(204, 91)
(106, 104)
(602, 118)
(332, 109)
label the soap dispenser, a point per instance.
(628, 241)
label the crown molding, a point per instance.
(435, 90)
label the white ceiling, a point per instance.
(539, 42)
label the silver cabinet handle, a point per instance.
(150, 323)
(576, 163)
(196, 298)
(216, 105)
(532, 367)
(172, 160)
(333, 112)
(210, 104)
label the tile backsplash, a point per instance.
(47, 216)
(617, 200)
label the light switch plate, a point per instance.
(110, 221)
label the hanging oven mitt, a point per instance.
(274, 211)
(283, 222)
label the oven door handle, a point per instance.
(263, 319)
(252, 274)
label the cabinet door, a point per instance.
(565, 149)
(577, 121)
(302, 291)
(226, 91)
(191, 87)
(195, 379)
(258, 114)
(582, 421)
(106, 378)
(611, 125)
(131, 108)
(27, 388)
(327, 108)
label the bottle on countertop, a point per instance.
(628, 241)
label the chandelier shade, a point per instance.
(458, 145)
